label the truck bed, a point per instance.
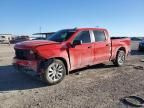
(117, 42)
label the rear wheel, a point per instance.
(120, 58)
(55, 72)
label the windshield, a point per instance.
(61, 35)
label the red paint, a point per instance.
(29, 64)
(78, 56)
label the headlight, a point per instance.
(31, 55)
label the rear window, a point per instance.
(99, 36)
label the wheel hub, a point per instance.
(121, 58)
(55, 72)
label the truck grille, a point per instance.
(22, 54)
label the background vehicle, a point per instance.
(39, 38)
(141, 45)
(5, 38)
(136, 38)
(42, 36)
(68, 50)
(19, 39)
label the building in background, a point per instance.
(6, 38)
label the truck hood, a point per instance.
(34, 43)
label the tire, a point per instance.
(54, 73)
(120, 58)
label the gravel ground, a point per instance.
(99, 86)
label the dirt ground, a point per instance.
(99, 86)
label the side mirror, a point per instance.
(77, 42)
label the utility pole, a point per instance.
(40, 28)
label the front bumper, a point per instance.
(30, 67)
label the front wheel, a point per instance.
(120, 58)
(55, 72)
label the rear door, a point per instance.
(102, 47)
(81, 55)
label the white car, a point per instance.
(5, 39)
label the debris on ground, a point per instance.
(78, 73)
(139, 67)
(134, 101)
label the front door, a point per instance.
(81, 55)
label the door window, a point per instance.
(99, 36)
(84, 37)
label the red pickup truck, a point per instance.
(67, 50)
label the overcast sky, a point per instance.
(120, 17)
